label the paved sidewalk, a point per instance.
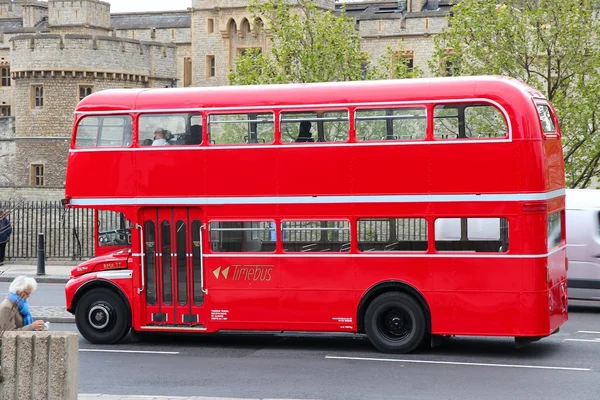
(55, 273)
(120, 397)
(57, 315)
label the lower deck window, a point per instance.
(316, 236)
(471, 234)
(392, 234)
(113, 229)
(253, 236)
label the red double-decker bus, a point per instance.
(406, 210)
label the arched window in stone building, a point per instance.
(232, 28)
(5, 71)
(259, 26)
(245, 28)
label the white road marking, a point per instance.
(592, 332)
(583, 340)
(128, 351)
(459, 363)
(96, 396)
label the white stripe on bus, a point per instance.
(115, 274)
(382, 254)
(421, 198)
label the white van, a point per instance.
(583, 243)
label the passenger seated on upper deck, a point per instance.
(195, 135)
(305, 135)
(160, 137)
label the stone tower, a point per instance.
(83, 16)
(53, 71)
(223, 29)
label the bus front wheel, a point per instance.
(102, 317)
(395, 323)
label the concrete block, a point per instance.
(39, 365)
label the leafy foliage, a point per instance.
(311, 45)
(548, 44)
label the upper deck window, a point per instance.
(315, 126)
(241, 128)
(170, 129)
(109, 131)
(468, 121)
(391, 124)
(546, 118)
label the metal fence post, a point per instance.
(41, 257)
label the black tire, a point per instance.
(395, 323)
(102, 317)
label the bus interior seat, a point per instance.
(195, 135)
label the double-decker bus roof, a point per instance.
(506, 90)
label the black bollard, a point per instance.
(41, 259)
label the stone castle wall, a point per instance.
(15, 9)
(93, 13)
(211, 4)
(72, 52)
(415, 35)
(7, 151)
(232, 32)
(34, 13)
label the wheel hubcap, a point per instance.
(99, 316)
(395, 324)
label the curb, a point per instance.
(38, 279)
(56, 320)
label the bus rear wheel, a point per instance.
(395, 323)
(102, 317)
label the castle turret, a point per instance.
(82, 16)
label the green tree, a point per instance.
(548, 44)
(311, 45)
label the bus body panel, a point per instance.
(512, 286)
(76, 286)
(217, 172)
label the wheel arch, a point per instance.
(386, 287)
(95, 284)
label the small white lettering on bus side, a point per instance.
(219, 315)
(343, 319)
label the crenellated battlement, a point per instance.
(20, 9)
(60, 55)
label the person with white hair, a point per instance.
(14, 310)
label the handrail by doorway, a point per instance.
(202, 262)
(142, 254)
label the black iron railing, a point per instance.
(68, 233)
